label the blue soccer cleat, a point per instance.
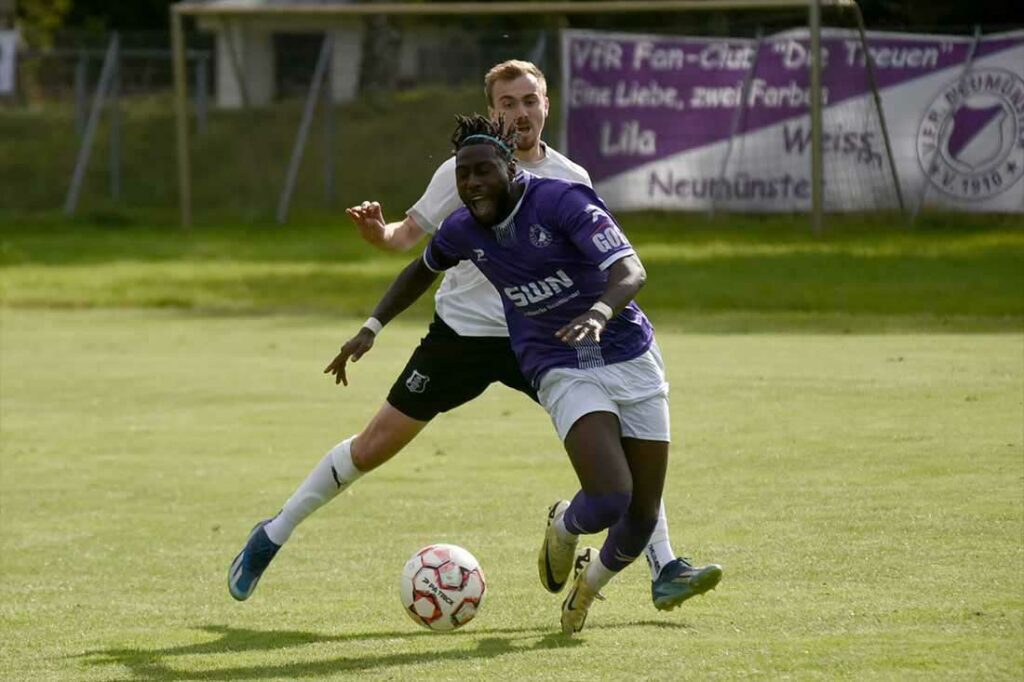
(679, 580)
(250, 563)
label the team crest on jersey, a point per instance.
(540, 236)
(971, 140)
(417, 383)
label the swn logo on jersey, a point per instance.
(523, 295)
(417, 383)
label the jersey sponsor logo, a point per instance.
(606, 235)
(970, 142)
(540, 236)
(609, 238)
(523, 295)
(597, 214)
(417, 383)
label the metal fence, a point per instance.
(90, 126)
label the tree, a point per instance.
(128, 15)
(39, 19)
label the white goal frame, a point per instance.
(329, 11)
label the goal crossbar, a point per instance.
(510, 7)
(180, 10)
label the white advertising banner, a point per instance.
(8, 57)
(688, 123)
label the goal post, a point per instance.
(330, 14)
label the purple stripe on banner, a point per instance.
(633, 99)
(967, 123)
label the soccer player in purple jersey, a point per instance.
(567, 276)
(465, 349)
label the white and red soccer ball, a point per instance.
(442, 587)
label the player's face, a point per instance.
(523, 103)
(484, 183)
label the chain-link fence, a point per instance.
(380, 123)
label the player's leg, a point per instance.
(605, 500)
(678, 580)
(640, 394)
(410, 406)
(658, 550)
(387, 433)
(384, 436)
(647, 462)
(444, 371)
(646, 431)
(586, 421)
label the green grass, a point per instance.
(733, 274)
(863, 492)
(846, 409)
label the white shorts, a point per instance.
(635, 391)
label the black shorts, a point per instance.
(447, 370)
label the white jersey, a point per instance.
(466, 301)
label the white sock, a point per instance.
(333, 474)
(564, 534)
(658, 551)
(599, 575)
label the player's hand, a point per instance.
(586, 327)
(369, 218)
(354, 348)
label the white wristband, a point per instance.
(602, 308)
(374, 325)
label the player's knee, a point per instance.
(370, 451)
(610, 507)
(362, 455)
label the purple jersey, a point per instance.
(548, 262)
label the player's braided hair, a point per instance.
(476, 129)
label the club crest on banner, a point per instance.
(417, 383)
(540, 236)
(970, 142)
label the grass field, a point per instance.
(848, 422)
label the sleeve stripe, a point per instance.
(430, 266)
(421, 220)
(614, 258)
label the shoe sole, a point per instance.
(543, 561)
(700, 583)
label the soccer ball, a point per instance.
(442, 587)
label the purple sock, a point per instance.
(626, 541)
(593, 513)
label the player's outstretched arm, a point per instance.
(399, 236)
(410, 284)
(626, 277)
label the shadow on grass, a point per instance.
(154, 664)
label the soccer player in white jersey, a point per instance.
(567, 277)
(465, 350)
